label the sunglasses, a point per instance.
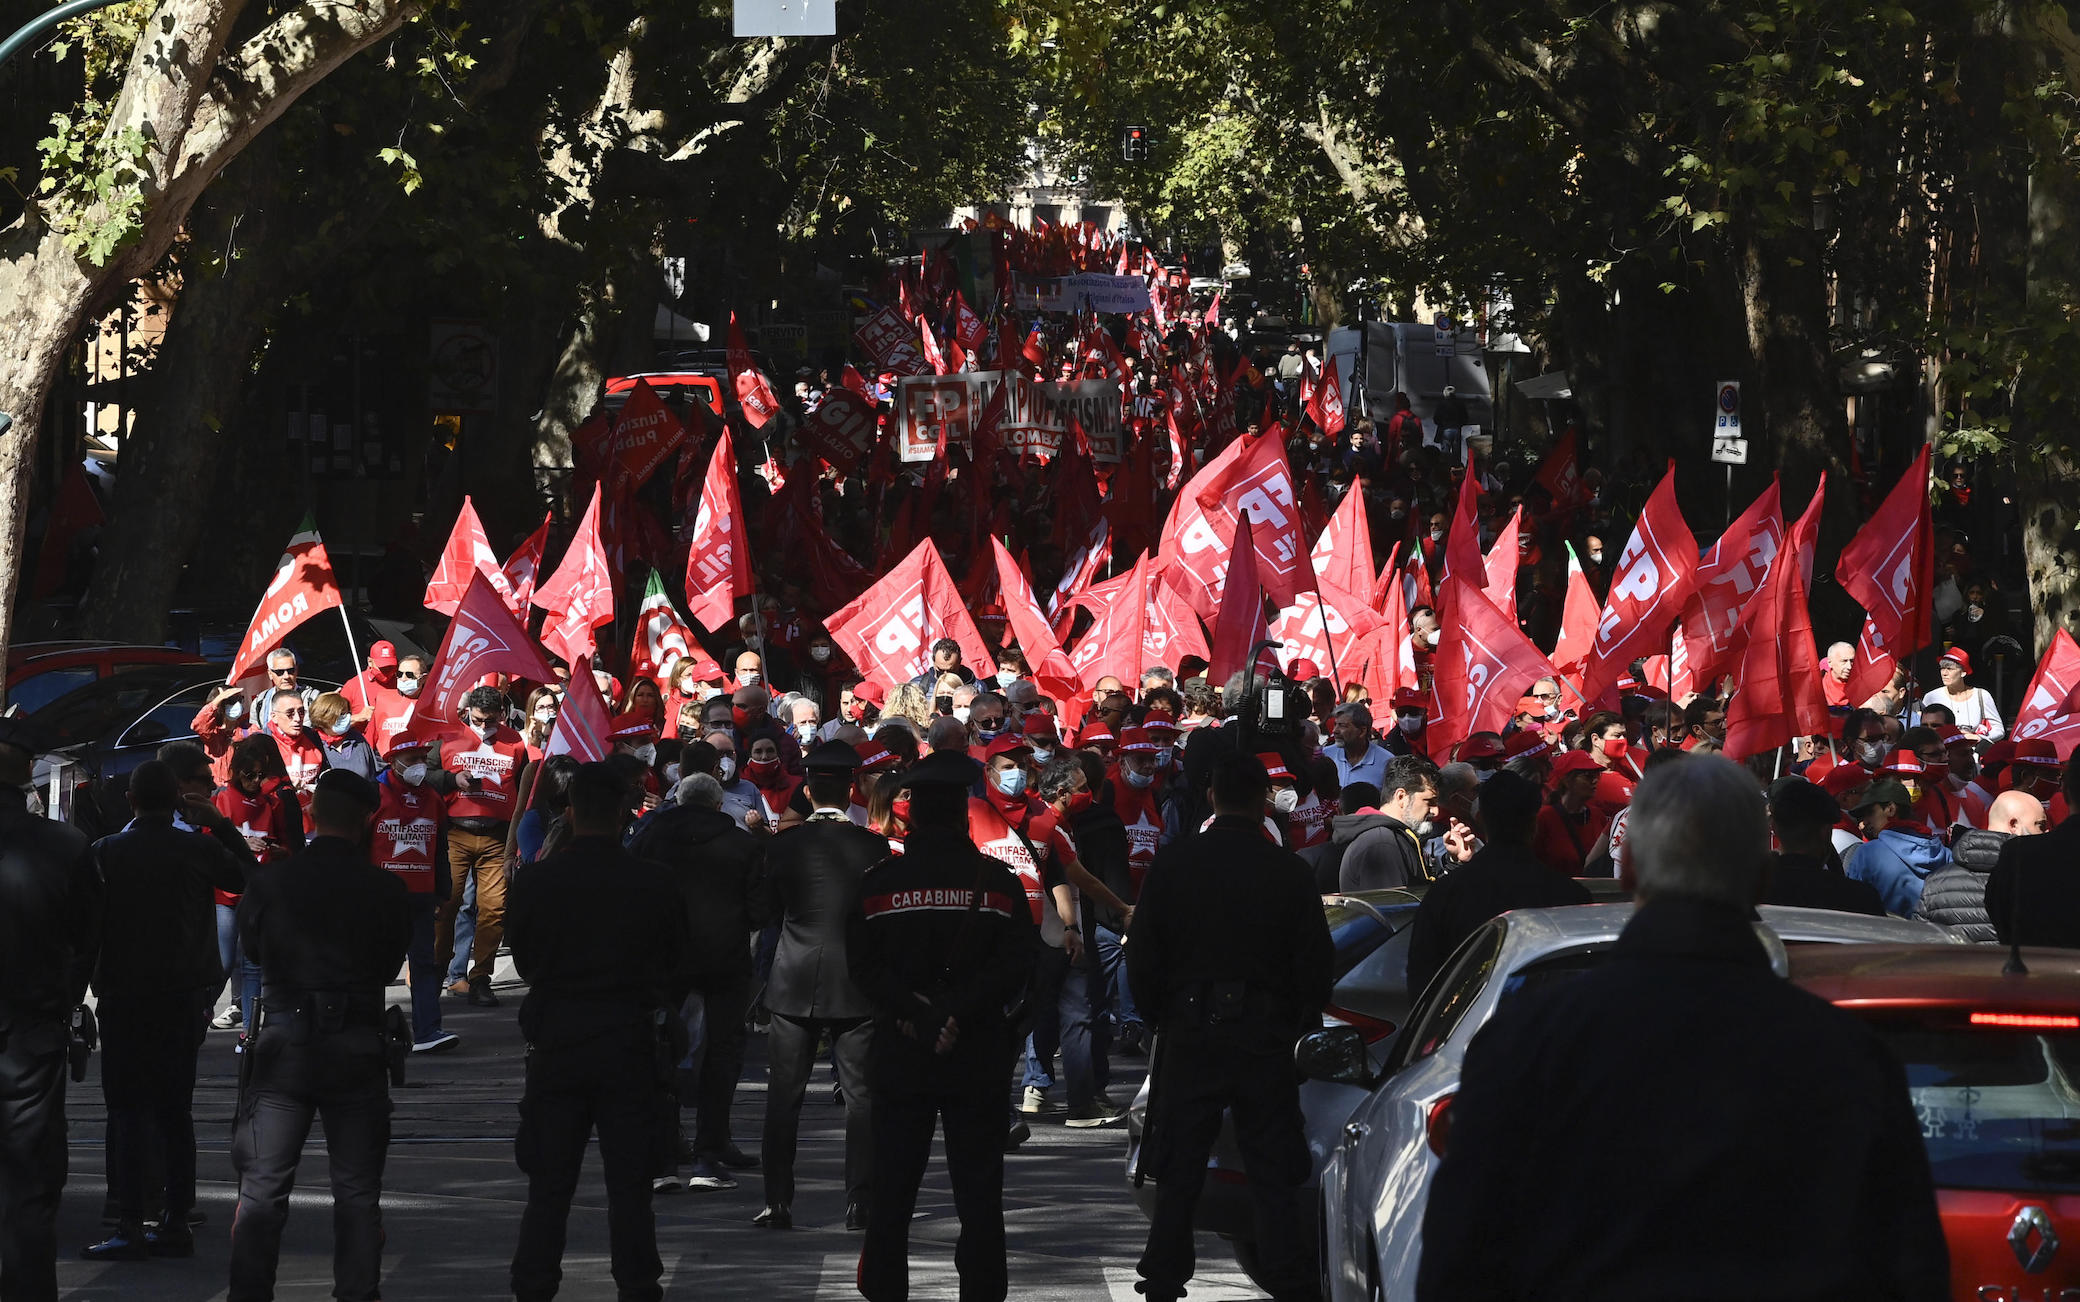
(283, 673)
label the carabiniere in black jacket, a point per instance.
(719, 870)
(813, 873)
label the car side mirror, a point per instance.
(1334, 1053)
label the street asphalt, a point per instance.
(452, 1198)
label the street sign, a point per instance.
(1729, 446)
(1731, 452)
(1446, 335)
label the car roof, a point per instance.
(30, 652)
(1583, 923)
(1939, 976)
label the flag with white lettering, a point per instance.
(1250, 474)
(523, 566)
(1483, 665)
(1889, 568)
(1650, 583)
(580, 595)
(483, 638)
(754, 393)
(303, 586)
(888, 630)
(1728, 577)
(718, 555)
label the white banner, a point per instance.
(1036, 416)
(1090, 291)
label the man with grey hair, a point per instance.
(284, 675)
(1156, 676)
(1358, 758)
(1754, 1112)
(947, 734)
(1841, 662)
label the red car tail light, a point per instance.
(1374, 1029)
(2028, 1021)
(1439, 1126)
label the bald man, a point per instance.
(1841, 662)
(1954, 896)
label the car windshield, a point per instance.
(1998, 1109)
(1356, 932)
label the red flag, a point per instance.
(1115, 643)
(932, 351)
(968, 330)
(1776, 668)
(467, 554)
(1382, 670)
(2045, 712)
(75, 509)
(1324, 401)
(1577, 620)
(1462, 542)
(1239, 623)
(580, 595)
(1500, 568)
(1561, 476)
(1171, 630)
(522, 566)
(1650, 583)
(1804, 538)
(1482, 667)
(1343, 554)
(1728, 576)
(1022, 611)
(718, 556)
(483, 638)
(754, 394)
(1213, 310)
(1249, 475)
(1889, 568)
(662, 637)
(853, 380)
(302, 586)
(841, 430)
(644, 436)
(1332, 628)
(888, 630)
(1080, 571)
(582, 724)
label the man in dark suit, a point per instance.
(1504, 875)
(2033, 892)
(1678, 1121)
(813, 872)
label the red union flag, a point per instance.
(1561, 477)
(580, 595)
(1324, 401)
(1500, 569)
(1776, 667)
(1116, 642)
(1022, 611)
(968, 330)
(888, 630)
(1332, 628)
(1482, 667)
(662, 637)
(1650, 583)
(645, 435)
(302, 586)
(1728, 577)
(2046, 707)
(1889, 568)
(483, 638)
(583, 723)
(467, 554)
(1343, 554)
(1171, 630)
(754, 395)
(842, 428)
(930, 344)
(1249, 475)
(718, 556)
(890, 339)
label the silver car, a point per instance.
(1376, 1179)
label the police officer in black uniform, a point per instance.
(49, 930)
(329, 930)
(812, 875)
(941, 940)
(602, 939)
(1230, 959)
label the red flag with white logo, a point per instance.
(583, 721)
(1325, 401)
(482, 638)
(1248, 475)
(754, 394)
(888, 630)
(1804, 537)
(930, 343)
(1080, 571)
(1382, 669)
(1561, 477)
(1729, 576)
(1022, 611)
(662, 637)
(1213, 311)
(1776, 667)
(303, 586)
(968, 330)
(1500, 568)
(2047, 712)
(467, 554)
(718, 556)
(1342, 556)
(1483, 665)
(1650, 583)
(1332, 628)
(1889, 568)
(579, 597)
(522, 567)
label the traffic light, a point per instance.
(1134, 144)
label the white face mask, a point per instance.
(819, 653)
(1286, 799)
(1432, 636)
(749, 679)
(1011, 782)
(726, 767)
(671, 773)
(545, 714)
(1596, 558)
(1410, 724)
(488, 731)
(646, 753)
(1436, 535)
(1164, 756)
(1007, 676)
(341, 726)
(234, 709)
(408, 686)
(1138, 781)
(753, 640)
(1042, 754)
(708, 691)
(414, 774)
(805, 731)
(961, 712)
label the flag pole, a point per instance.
(354, 653)
(1321, 606)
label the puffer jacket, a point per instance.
(1954, 897)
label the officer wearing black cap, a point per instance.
(49, 930)
(329, 930)
(941, 941)
(813, 873)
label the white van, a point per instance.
(1404, 356)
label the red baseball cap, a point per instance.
(1275, 766)
(1301, 670)
(409, 739)
(1408, 698)
(1137, 739)
(2000, 753)
(1574, 761)
(1008, 744)
(632, 729)
(1094, 732)
(1964, 661)
(1527, 742)
(1159, 721)
(1039, 726)
(383, 655)
(1845, 778)
(871, 692)
(1481, 748)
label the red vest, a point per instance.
(496, 763)
(1143, 815)
(303, 755)
(993, 835)
(407, 832)
(391, 711)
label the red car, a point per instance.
(689, 386)
(41, 672)
(1993, 1065)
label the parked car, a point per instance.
(40, 672)
(1375, 1180)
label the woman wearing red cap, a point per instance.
(1971, 707)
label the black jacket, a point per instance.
(1681, 1123)
(1954, 896)
(1101, 846)
(2033, 893)
(719, 870)
(326, 919)
(1497, 879)
(812, 876)
(1809, 884)
(159, 920)
(1228, 905)
(1374, 852)
(50, 914)
(600, 937)
(941, 930)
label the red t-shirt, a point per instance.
(496, 764)
(1308, 824)
(1564, 844)
(266, 816)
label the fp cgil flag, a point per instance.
(582, 724)
(2046, 707)
(1250, 475)
(718, 556)
(483, 638)
(302, 586)
(754, 394)
(888, 630)
(1483, 665)
(1728, 577)
(1648, 588)
(1889, 568)
(523, 566)
(580, 595)
(467, 554)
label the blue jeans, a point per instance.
(1112, 969)
(1062, 1017)
(465, 932)
(232, 957)
(426, 972)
